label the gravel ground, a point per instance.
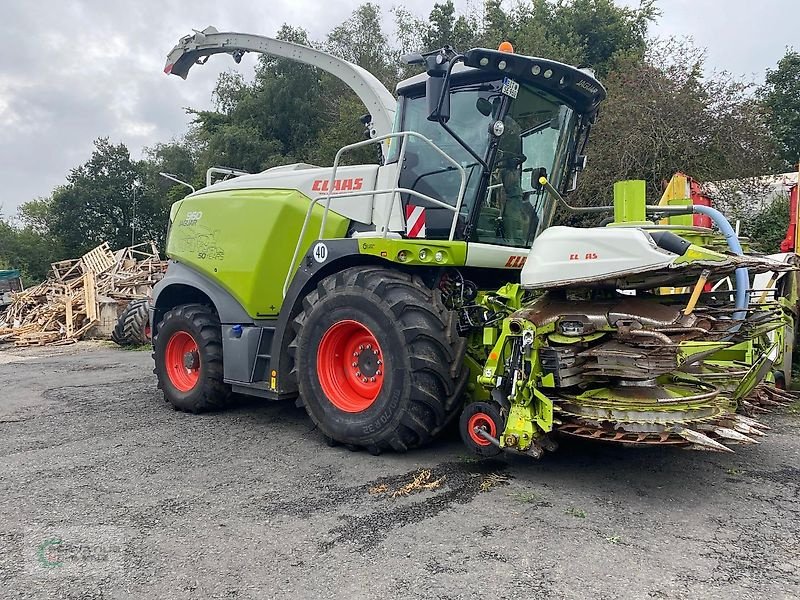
(106, 492)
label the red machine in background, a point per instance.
(681, 190)
(789, 243)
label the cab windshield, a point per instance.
(427, 172)
(538, 132)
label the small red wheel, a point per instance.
(350, 366)
(483, 416)
(182, 358)
(481, 421)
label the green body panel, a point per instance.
(415, 252)
(244, 240)
(681, 220)
(695, 253)
(629, 201)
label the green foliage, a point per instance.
(108, 198)
(781, 96)
(662, 115)
(292, 112)
(360, 40)
(767, 228)
(27, 250)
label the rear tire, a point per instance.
(187, 351)
(133, 325)
(378, 361)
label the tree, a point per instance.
(293, 112)
(444, 28)
(27, 250)
(361, 40)
(271, 121)
(767, 228)
(108, 198)
(781, 95)
(602, 29)
(662, 115)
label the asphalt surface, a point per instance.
(106, 492)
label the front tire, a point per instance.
(187, 351)
(378, 361)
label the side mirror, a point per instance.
(484, 106)
(536, 174)
(436, 89)
(573, 182)
(578, 166)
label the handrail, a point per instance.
(223, 171)
(399, 134)
(393, 191)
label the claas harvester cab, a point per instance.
(391, 299)
(339, 285)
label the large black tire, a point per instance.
(133, 325)
(423, 375)
(187, 351)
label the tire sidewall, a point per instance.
(172, 324)
(387, 409)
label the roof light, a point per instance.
(506, 47)
(536, 69)
(484, 61)
(501, 65)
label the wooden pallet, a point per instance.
(66, 306)
(38, 338)
(98, 259)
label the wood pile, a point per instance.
(65, 307)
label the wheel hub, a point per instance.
(369, 361)
(191, 360)
(182, 361)
(350, 366)
(483, 422)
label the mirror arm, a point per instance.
(446, 86)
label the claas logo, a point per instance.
(339, 185)
(516, 262)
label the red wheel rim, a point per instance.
(350, 366)
(481, 421)
(182, 361)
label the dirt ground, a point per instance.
(106, 492)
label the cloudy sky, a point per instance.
(74, 70)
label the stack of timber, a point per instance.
(66, 307)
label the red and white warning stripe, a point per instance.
(415, 221)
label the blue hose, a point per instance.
(742, 276)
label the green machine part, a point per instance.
(630, 201)
(249, 257)
(531, 412)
